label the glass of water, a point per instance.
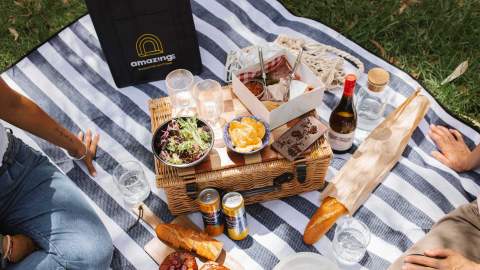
(130, 179)
(179, 85)
(350, 241)
(209, 98)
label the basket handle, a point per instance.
(192, 188)
(277, 185)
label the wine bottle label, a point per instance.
(339, 141)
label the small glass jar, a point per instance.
(371, 100)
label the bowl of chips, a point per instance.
(246, 135)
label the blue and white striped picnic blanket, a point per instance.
(69, 78)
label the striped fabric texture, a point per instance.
(69, 78)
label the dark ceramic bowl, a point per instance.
(158, 133)
(228, 140)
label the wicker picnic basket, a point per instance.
(255, 180)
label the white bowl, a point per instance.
(306, 261)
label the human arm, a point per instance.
(25, 114)
(442, 259)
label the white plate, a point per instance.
(306, 261)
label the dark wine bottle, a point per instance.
(343, 120)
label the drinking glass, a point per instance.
(209, 98)
(130, 180)
(350, 241)
(179, 85)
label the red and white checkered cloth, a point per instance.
(269, 66)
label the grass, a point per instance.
(426, 38)
(24, 24)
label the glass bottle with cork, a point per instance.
(372, 99)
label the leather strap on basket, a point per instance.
(191, 187)
(301, 170)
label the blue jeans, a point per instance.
(39, 201)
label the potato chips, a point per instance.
(247, 134)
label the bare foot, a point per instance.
(21, 246)
(454, 153)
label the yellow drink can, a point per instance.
(209, 203)
(235, 215)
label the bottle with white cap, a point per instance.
(372, 99)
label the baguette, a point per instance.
(191, 240)
(326, 215)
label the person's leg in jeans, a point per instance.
(49, 208)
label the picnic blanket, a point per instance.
(68, 77)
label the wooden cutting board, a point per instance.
(159, 250)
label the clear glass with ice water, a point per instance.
(209, 98)
(179, 85)
(130, 180)
(350, 241)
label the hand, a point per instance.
(21, 246)
(443, 259)
(91, 150)
(454, 153)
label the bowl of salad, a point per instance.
(182, 141)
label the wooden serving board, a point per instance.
(159, 250)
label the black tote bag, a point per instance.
(143, 40)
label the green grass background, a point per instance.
(427, 39)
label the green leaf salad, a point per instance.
(183, 141)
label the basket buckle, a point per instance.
(301, 171)
(192, 190)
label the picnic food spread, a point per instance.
(281, 100)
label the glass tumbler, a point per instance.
(130, 180)
(179, 85)
(209, 98)
(350, 241)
